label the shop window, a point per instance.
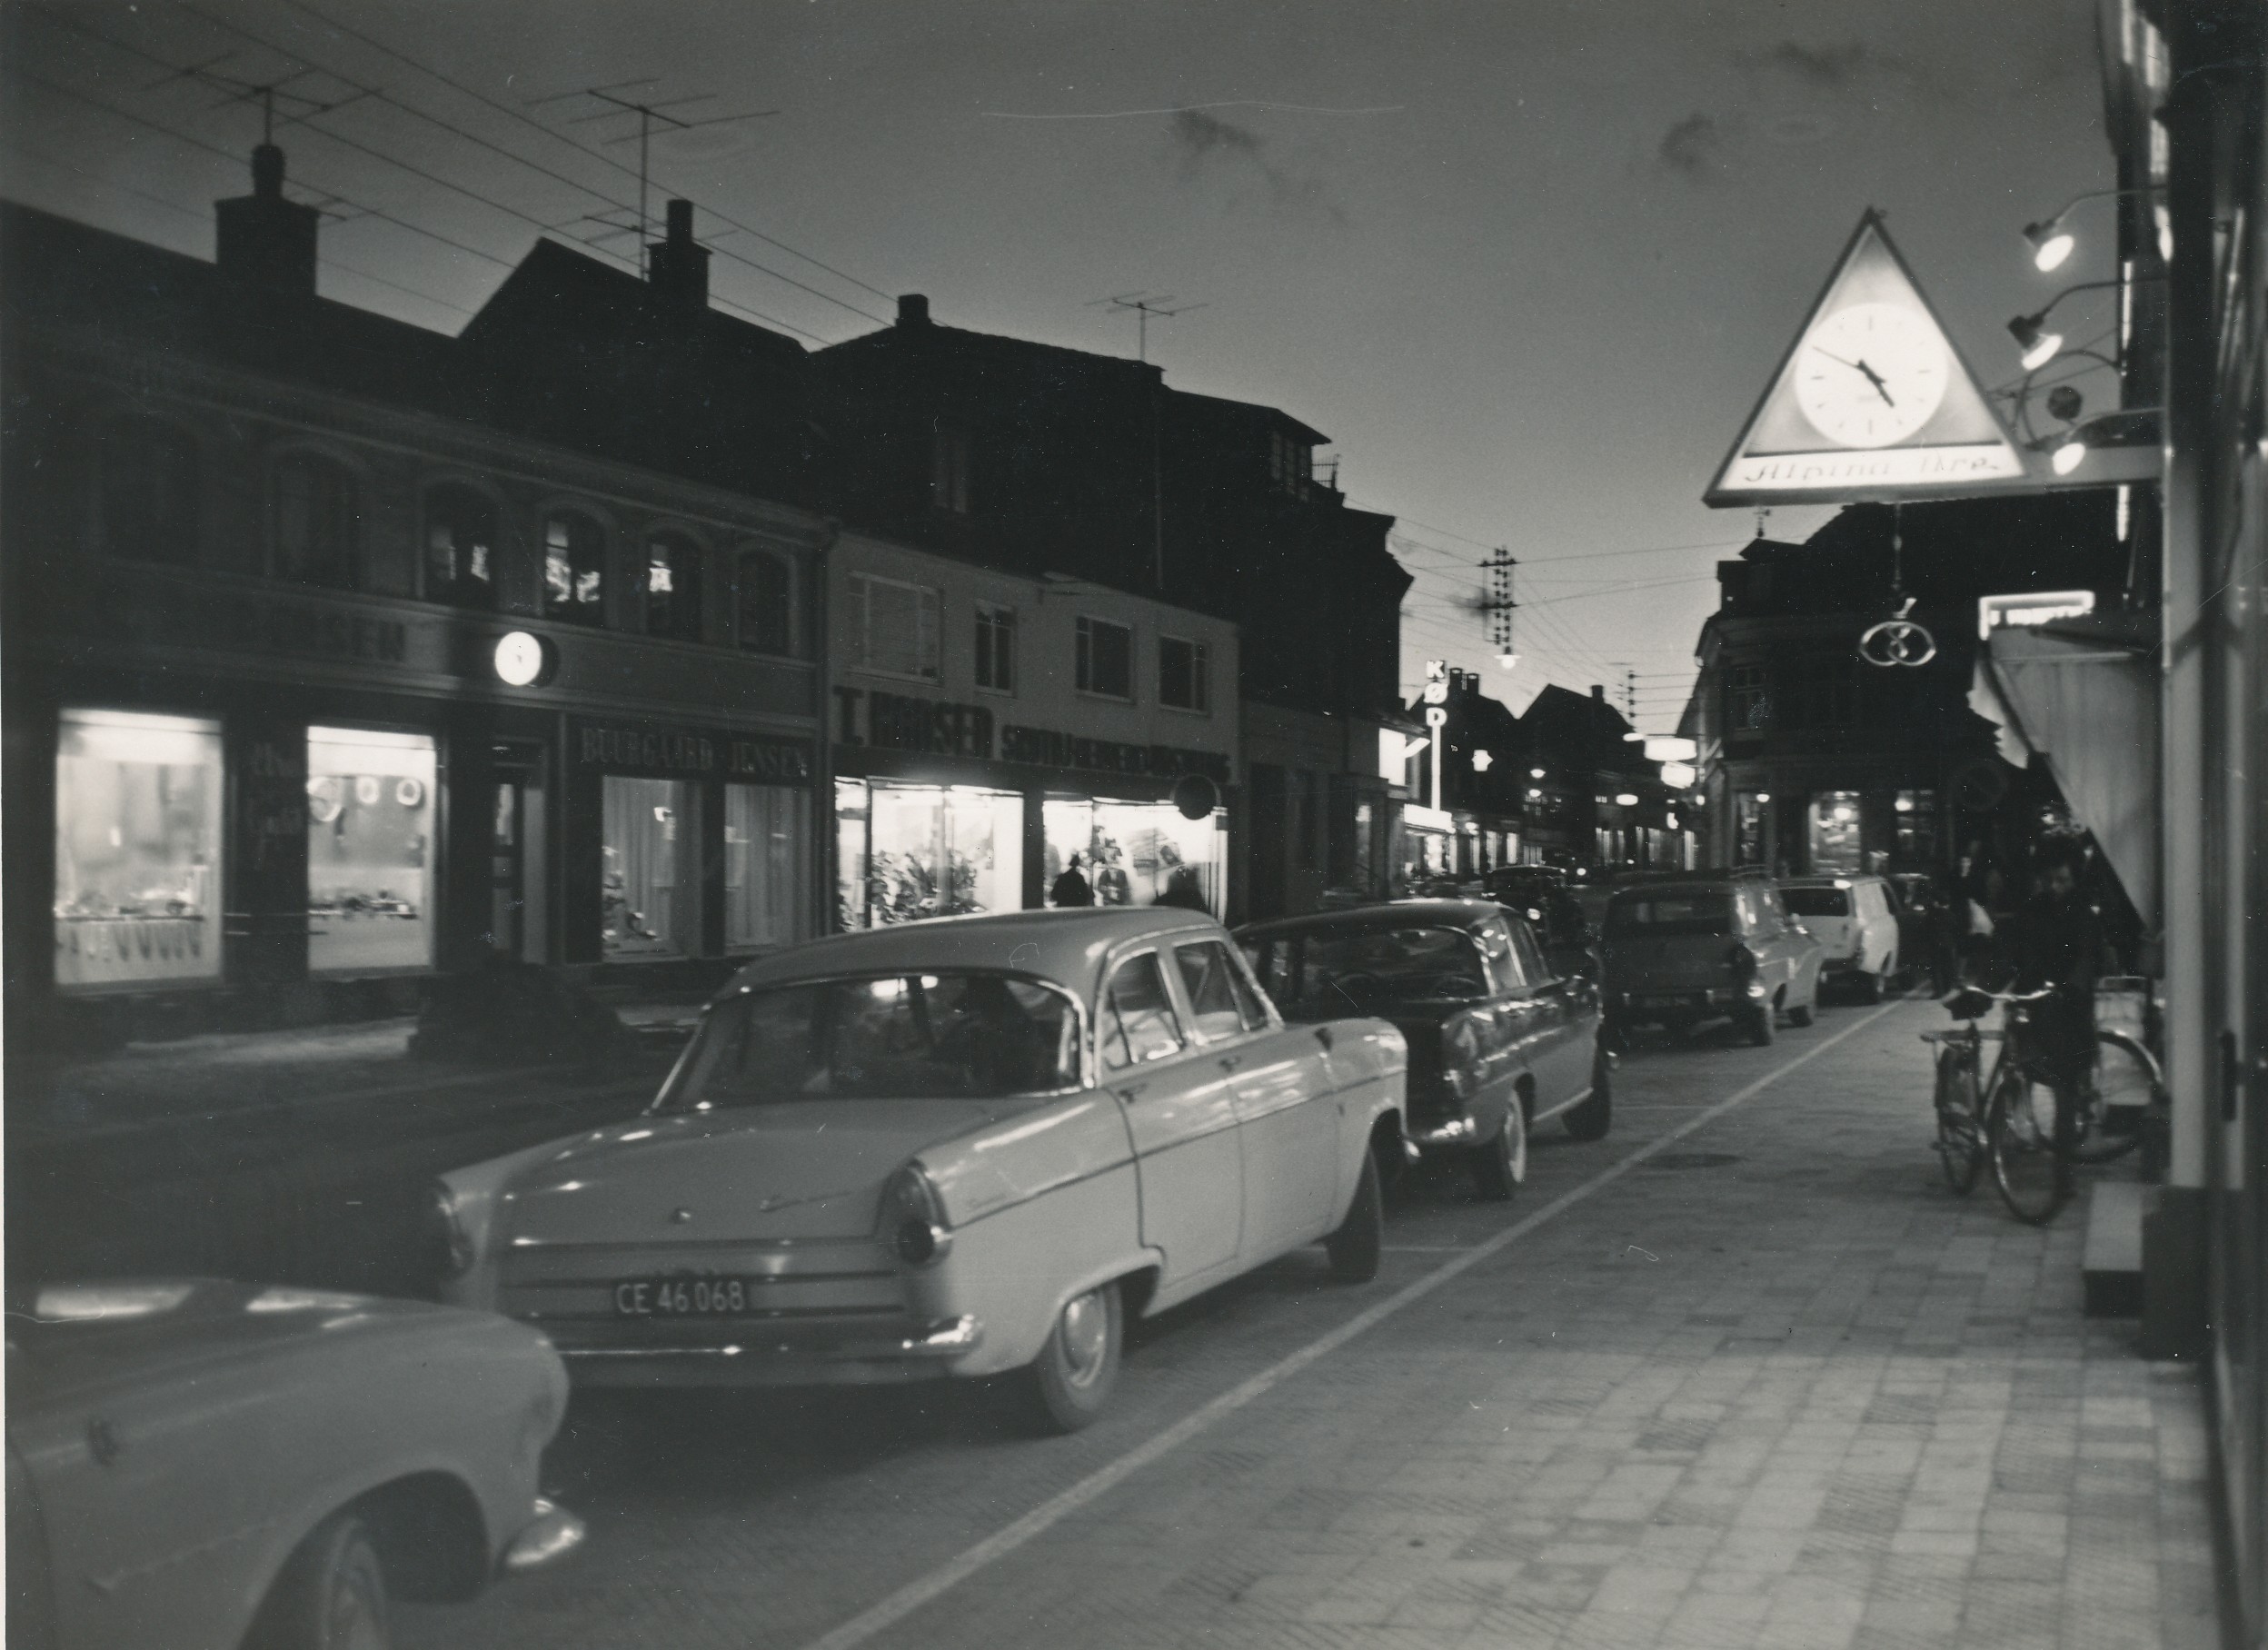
(893, 627)
(853, 806)
(1835, 833)
(764, 595)
(673, 581)
(1142, 852)
(461, 547)
(574, 569)
(996, 647)
(766, 828)
(137, 849)
(1916, 826)
(1106, 658)
(1748, 834)
(949, 470)
(370, 832)
(940, 852)
(648, 880)
(315, 524)
(148, 492)
(1747, 698)
(1183, 681)
(1138, 1022)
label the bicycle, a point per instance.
(2010, 1116)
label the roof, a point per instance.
(1067, 947)
(1394, 913)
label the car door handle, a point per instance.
(1131, 1092)
(1229, 1062)
(1323, 1036)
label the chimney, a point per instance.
(913, 310)
(266, 241)
(677, 267)
(1598, 693)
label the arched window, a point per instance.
(148, 492)
(766, 599)
(460, 547)
(672, 580)
(574, 569)
(316, 519)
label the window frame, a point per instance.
(951, 467)
(433, 488)
(1240, 987)
(1201, 670)
(1108, 1022)
(117, 431)
(355, 486)
(991, 620)
(698, 543)
(790, 600)
(1083, 662)
(601, 616)
(859, 583)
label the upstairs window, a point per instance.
(461, 547)
(149, 492)
(673, 581)
(1290, 465)
(315, 522)
(893, 627)
(1183, 674)
(765, 598)
(949, 470)
(1747, 700)
(574, 569)
(1106, 658)
(996, 647)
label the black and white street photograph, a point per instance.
(1175, 825)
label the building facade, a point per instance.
(986, 728)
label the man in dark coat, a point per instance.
(1071, 887)
(2055, 942)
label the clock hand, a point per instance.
(1875, 379)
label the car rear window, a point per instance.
(1817, 902)
(1636, 914)
(1371, 971)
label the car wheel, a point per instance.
(1804, 1013)
(1760, 1027)
(1355, 1248)
(1591, 1120)
(1500, 1165)
(332, 1594)
(1072, 1380)
(1869, 986)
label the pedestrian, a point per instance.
(1071, 887)
(1182, 890)
(2055, 943)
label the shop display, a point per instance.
(137, 849)
(765, 828)
(369, 832)
(644, 904)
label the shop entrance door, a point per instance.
(516, 863)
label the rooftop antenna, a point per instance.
(648, 113)
(1145, 305)
(1499, 605)
(1762, 512)
(299, 106)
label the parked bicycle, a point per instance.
(2008, 1118)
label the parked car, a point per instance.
(202, 1463)
(1929, 922)
(955, 1147)
(1855, 921)
(1542, 895)
(1498, 1039)
(1690, 946)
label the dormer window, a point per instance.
(1290, 465)
(948, 470)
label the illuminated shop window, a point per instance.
(765, 598)
(852, 806)
(316, 519)
(765, 830)
(370, 836)
(574, 569)
(648, 881)
(672, 587)
(1144, 851)
(137, 849)
(938, 851)
(1835, 833)
(461, 547)
(1915, 814)
(149, 492)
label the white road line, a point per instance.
(878, 1618)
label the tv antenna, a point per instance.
(1145, 305)
(648, 113)
(1499, 606)
(299, 106)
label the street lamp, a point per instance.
(2050, 241)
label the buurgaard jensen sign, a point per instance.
(873, 720)
(673, 751)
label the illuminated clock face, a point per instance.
(519, 658)
(1870, 374)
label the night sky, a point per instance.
(1529, 265)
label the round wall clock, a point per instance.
(1870, 374)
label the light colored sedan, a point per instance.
(953, 1147)
(199, 1463)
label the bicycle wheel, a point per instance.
(2122, 1087)
(2020, 1129)
(1960, 1142)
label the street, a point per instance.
(1745, 1373)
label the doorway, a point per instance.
(517, 861)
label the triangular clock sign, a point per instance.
(1872, 403)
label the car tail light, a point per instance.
(913, 1220)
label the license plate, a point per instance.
(685, 1297)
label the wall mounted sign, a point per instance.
(1898, 641)
(873, 720)
(669, 751)
(1872, 402)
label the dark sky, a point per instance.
(1529, 264)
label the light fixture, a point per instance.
(2128, 428)
(2070, 455)
(1534, 773)
(1533, 793)
(2039, 345)
(2050, 241)
(1626, 799)
(1508, 659)
(1764, 795)
(521, 660)
(1481, 759)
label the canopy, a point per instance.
(2082, 695)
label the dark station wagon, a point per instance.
(1499, 1039)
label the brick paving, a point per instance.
(1775, 1386)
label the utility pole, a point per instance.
(1499, 606)
(647, 113)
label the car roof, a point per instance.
(1067, 947)
(1846, 880)
(1394, 913)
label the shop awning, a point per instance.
(2082, 695)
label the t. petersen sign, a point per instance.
(876, 721)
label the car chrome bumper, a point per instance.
(1463, 1129)
(548, 1537)
(762, 1355)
